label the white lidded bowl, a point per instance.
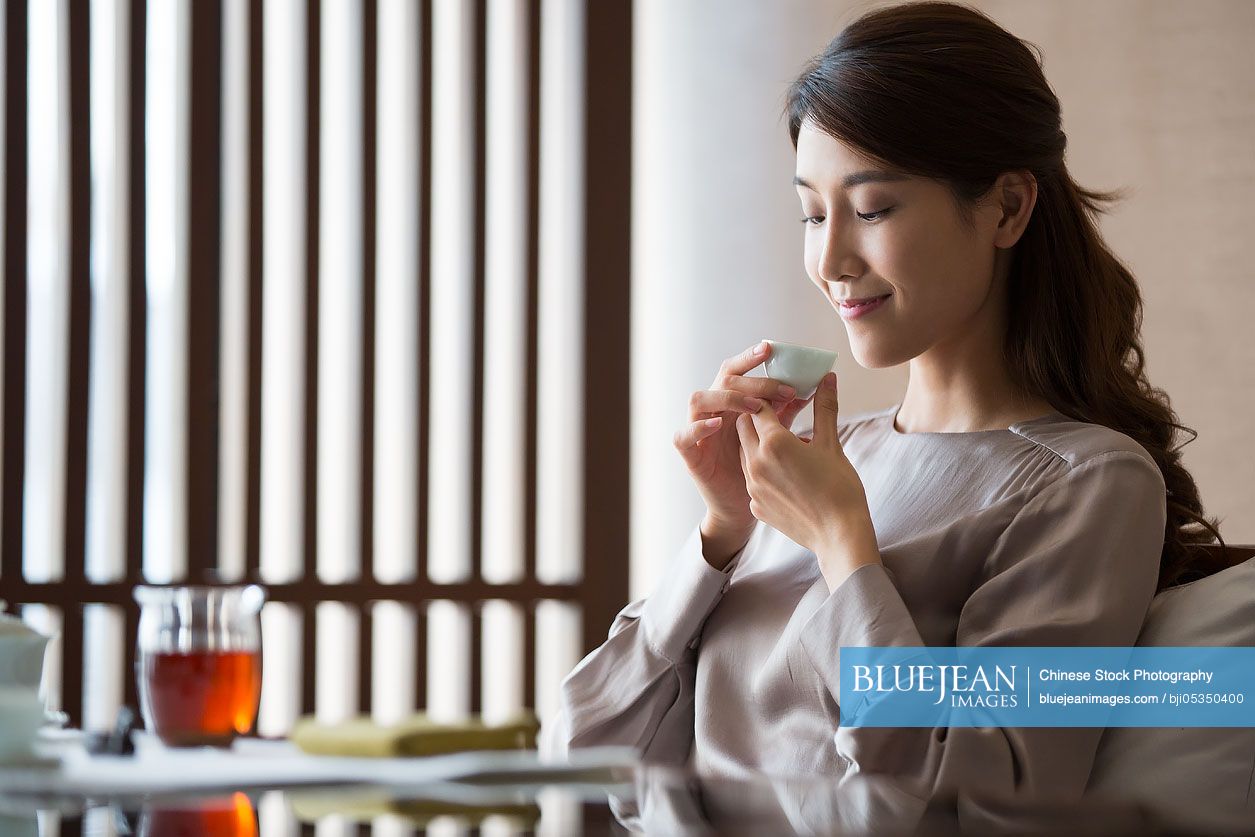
(21, 653)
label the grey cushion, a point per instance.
(1182, 769)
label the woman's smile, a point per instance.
(850, 307)
(852, 311)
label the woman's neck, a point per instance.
(962, 395)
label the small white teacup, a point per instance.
(21, 716)
(801, 367)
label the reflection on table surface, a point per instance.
(648, 799)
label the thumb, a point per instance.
(826, 411)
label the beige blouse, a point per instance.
(1048, 532)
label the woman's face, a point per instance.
(870, 235)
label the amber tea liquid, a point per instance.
(202, 697)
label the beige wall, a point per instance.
(1157, 95)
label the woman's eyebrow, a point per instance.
(858, 178)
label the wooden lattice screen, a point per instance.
(588, 372)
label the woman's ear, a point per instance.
(1015, 193)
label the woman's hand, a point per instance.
(709, 443)
(809, 491)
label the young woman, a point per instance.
(1026, 490)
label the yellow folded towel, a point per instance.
(417, 735)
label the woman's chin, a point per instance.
(870, 356)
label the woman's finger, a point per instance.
(687, 438)
(789, 411)
(707, 402)
(746, 360)
(748, 436)
(766, 388)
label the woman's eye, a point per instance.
(866, 216)
(873, 216)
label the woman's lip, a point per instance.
(864, 300)
(850, 310)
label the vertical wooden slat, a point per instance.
(370, 67)
(130, 682)
(530, 386)
(424, 294)
(420, 647)
(529, 654)
(252, 548)
(309, 656)
(14, 290)
(67, 825)
(137, 317)
(313, 40)
(476, 613)
(533, 282)
(204, 218)
(365, 644)
(78, 31)
(80, 296)
(533, 298)
(72, 661)
(607, 277)
(480, 85)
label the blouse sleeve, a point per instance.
(636, 689)
(1077, 565)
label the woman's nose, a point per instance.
(837, 257)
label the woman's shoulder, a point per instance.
(1077, 443)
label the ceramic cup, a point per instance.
(21, 716)
(801, 367)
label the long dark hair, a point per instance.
(939, 90)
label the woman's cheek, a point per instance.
(810, 259)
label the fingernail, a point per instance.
(751, 402)
(760, 349)
(786, 391)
